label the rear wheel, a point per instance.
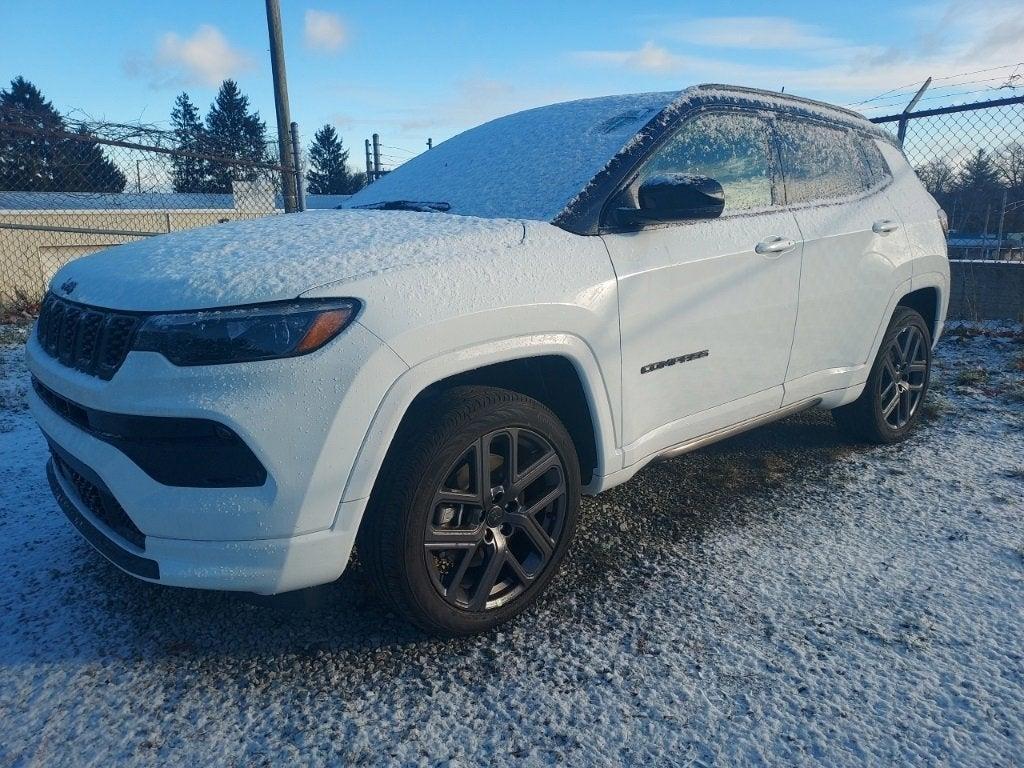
(889, 406)
(474, 510)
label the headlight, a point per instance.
(263, 332)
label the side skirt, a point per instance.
(735, 429)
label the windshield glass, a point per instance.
(529, 165)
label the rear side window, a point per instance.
(820, 162)
(733, 149)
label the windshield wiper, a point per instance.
(407, 205)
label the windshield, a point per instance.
(529, 165)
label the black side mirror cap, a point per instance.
(674, 197)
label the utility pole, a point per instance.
(430, 143)
(376, 156)
(369, 163)
(281, 105)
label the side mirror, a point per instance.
(675, 197)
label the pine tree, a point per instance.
(45, 162)
(328, 174)
(234, 134)
(979, 174)
(27, 160)
(189, 173)
(980, 193)
(83, 167)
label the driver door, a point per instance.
(707, 307)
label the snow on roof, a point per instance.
(528, 165)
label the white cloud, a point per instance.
(647, 58)
(961, 36)
(325, 31)
(752, 32)
(205, 58)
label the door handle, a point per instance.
(884, 227)
(773, 247)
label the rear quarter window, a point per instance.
(877, 168)
(821, 163)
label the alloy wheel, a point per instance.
(904, 375)
(496, 520)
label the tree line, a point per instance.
(986, 189)
(231, 132)
(214, 151)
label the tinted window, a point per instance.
(733, 149)
(820, 163)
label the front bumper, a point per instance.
(304, 419)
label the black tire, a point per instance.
(419, 507)
(901, 369)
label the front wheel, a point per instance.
(890, 404)
(474, 510)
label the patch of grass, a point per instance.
(971, 377)
(935, 404)
(964, 331)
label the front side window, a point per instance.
(820, 163)
(732, 149)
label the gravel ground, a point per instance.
(784, 598)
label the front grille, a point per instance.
(92, 340)
(99, 502)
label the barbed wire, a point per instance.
(911, 88)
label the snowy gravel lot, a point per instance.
(784, 597)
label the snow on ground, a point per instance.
(784, 597)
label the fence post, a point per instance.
(376, 156)
(300, 185)
(901, 131)
(369, 163)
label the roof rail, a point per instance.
(784, 96)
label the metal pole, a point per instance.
(376, 156)
(369, 163)
(901, 131)
(300, 186)
(138, 176)
(1002, 221)
(281, 104)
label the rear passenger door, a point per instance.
(853, 248)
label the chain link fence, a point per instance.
(70, 188)
(971, 158)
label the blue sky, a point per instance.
(410, 70)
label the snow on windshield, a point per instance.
(525, 166)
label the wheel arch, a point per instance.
(556, 369)
(927, 302)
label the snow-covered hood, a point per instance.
(274, 258)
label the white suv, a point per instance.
(536, 308)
